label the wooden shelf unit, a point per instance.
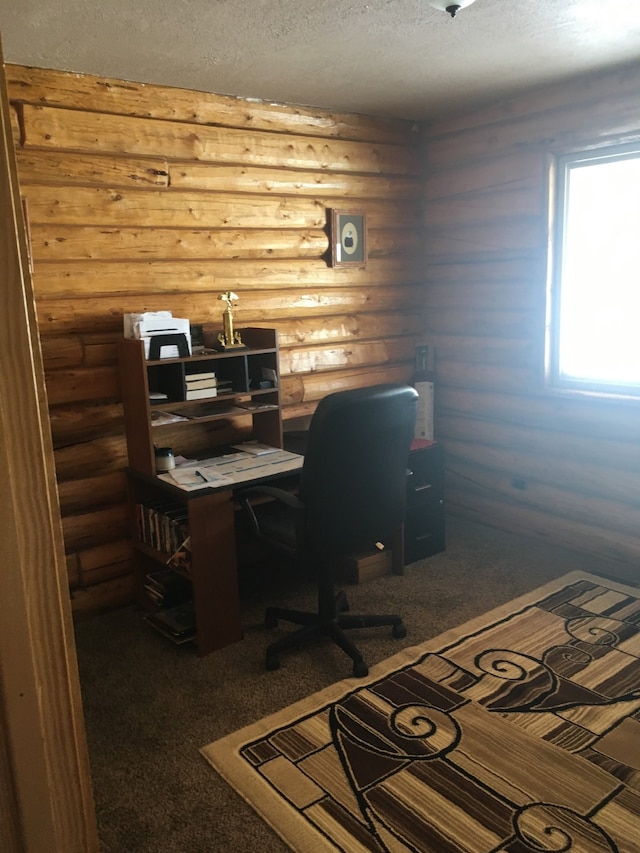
(242, 367)
(211, 523)
(213, 574)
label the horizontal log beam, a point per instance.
(95, 528)
(58, 279)
(103, 596)
(604, 94)
(573, 487)
(368, 353)
(80, 495)
(296, 389)
(64, 167)
(597, 541)
(609, 420)
(77, 130)
(90, 93)
(136, 208)
(77, 242)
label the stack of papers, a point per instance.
(199, 476)
(232, 468)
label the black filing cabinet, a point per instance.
(424, 533)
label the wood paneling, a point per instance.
(143, 198)
(517, 456)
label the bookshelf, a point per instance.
(244, 404)
(213, 570)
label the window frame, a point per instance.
(559, 176)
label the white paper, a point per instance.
(231, 469)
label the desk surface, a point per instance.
(231, 469)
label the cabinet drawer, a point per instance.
(425, 516)
(424, 531)
(426, 475)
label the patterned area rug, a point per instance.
(518, 732)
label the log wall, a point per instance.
(141, 198)
(519, 457)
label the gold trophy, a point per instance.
(228, 338)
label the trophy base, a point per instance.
(222, 342)
(221, 346)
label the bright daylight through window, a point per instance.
(594, 319)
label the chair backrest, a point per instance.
(354, 479)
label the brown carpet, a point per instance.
(518, 731)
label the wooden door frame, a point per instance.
(46, 801)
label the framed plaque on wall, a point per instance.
(348, 238)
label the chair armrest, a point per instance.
(288, 498)
(243, 496)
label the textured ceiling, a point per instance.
(386, 57)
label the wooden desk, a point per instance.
(162, 407)
(210, 516)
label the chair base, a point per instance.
(333, 625)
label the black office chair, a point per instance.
(352, 496)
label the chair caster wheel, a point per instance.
(399, 631)
(360, 669)
(272, 663)
(270, 621)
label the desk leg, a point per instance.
(215, 572)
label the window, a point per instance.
(594, 308)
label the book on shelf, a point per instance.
(149, 516)
(166, 588)
(178, 622)
(200, 383)
(176, 522)
(196, 377)
(162, 525)
(201, 393)
(154, 596)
